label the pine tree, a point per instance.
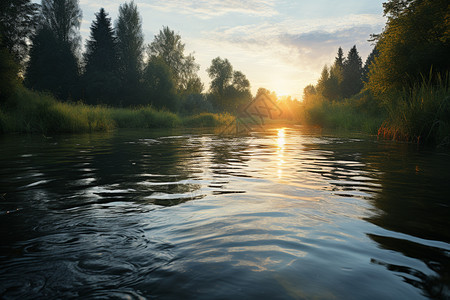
(101, 79)
(352, 74)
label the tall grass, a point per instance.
(360, 112)
(208, 120)
(144, 117)
(419, 114)
(33, 112)
(40, 113)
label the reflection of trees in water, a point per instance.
(435, 285)
(412, 198)
(229, 155)
(414, 201)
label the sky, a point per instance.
(281, 45)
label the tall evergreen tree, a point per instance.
(339, 60)
(352, 81)
(101, 78)
(130, 40)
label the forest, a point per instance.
(48, 84)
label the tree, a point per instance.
(415, 41)
(101, 79)
(8, 74)
(52, 66)
(130, 42)
(367, 65)
(159, 83)
(221, 73)
(18, 21)
(229, 88)
(63, 18)
(168, 46)
(352, 74)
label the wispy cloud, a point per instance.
(206, 9)
(293, 48)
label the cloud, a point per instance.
(206, 9)
(291, 48)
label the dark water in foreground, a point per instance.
(287, 214)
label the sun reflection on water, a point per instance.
(280, 151)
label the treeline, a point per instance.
(343, 79)
(403, 88)
(42, 44)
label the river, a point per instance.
(285, 213)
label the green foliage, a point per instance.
(229, 88)
(168, 46)
(419, 114)
(53, 66)
(207, 120)
(100, 81)
(130, 40)
(63, 19)
(8, 75)
(352, 74)
(159, 84)
(195, 104)
(360, 112)
(41, 113)
(144, 117)
(343, 79)
(18, 21)
(416, 39)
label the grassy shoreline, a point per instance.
(32, 112)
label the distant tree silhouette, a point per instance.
(229, 88)
(352, 74)
(100, 80)
(168, 46)
(53, 64)
(18, 22)
(130, 40)
(160, 87)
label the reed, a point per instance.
(31, 112)
(360, 112)
(420, 114)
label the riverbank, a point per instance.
(32, 112)
(420, 114)
(361, 113)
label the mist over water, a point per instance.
(289, 213)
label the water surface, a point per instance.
(290, 213)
